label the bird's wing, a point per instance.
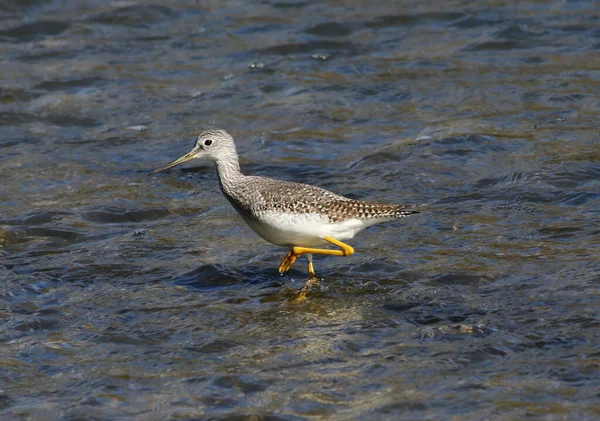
(289, 196)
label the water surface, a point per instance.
(132, 297)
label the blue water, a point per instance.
(132, 297)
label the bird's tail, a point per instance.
(387, 212)
(401, 211)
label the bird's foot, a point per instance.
(287, 262)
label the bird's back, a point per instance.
(255, 195)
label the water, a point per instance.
(127, 297)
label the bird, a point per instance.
(301, 217)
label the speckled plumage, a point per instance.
(258, 194)
(284, 212)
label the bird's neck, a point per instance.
(229, 172)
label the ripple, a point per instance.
(413, 406)
(244, 383)
(505, 45)
(292, 4)
(212, 346)
(309, 47)
(9, 95)
(375, 159)
(35, 218)
(117, 336)
(71, 85)
(16, 118)
(136, 16)
(549, 343)
(210, 276)
(561, 232)
(111, 215)
(516, 32)
(466, 145)
(459, 279)
(509, 180)
(38, 324)
(541, 186)
(6, 402)
(62, 120)
(330, 29)
(469, 22)
(574, 177)
(34, 31)
(418, 18)
(52, 237)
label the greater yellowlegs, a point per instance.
(286, 213)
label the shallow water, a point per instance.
(132, 297)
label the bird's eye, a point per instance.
(208, 142)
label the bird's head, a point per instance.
(213, 145)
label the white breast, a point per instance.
(307, 229)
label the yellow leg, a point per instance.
(291, 257)
(311, 271)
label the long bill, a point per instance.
(187, 157)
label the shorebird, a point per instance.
(289, 214)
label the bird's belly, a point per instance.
(305, 230)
